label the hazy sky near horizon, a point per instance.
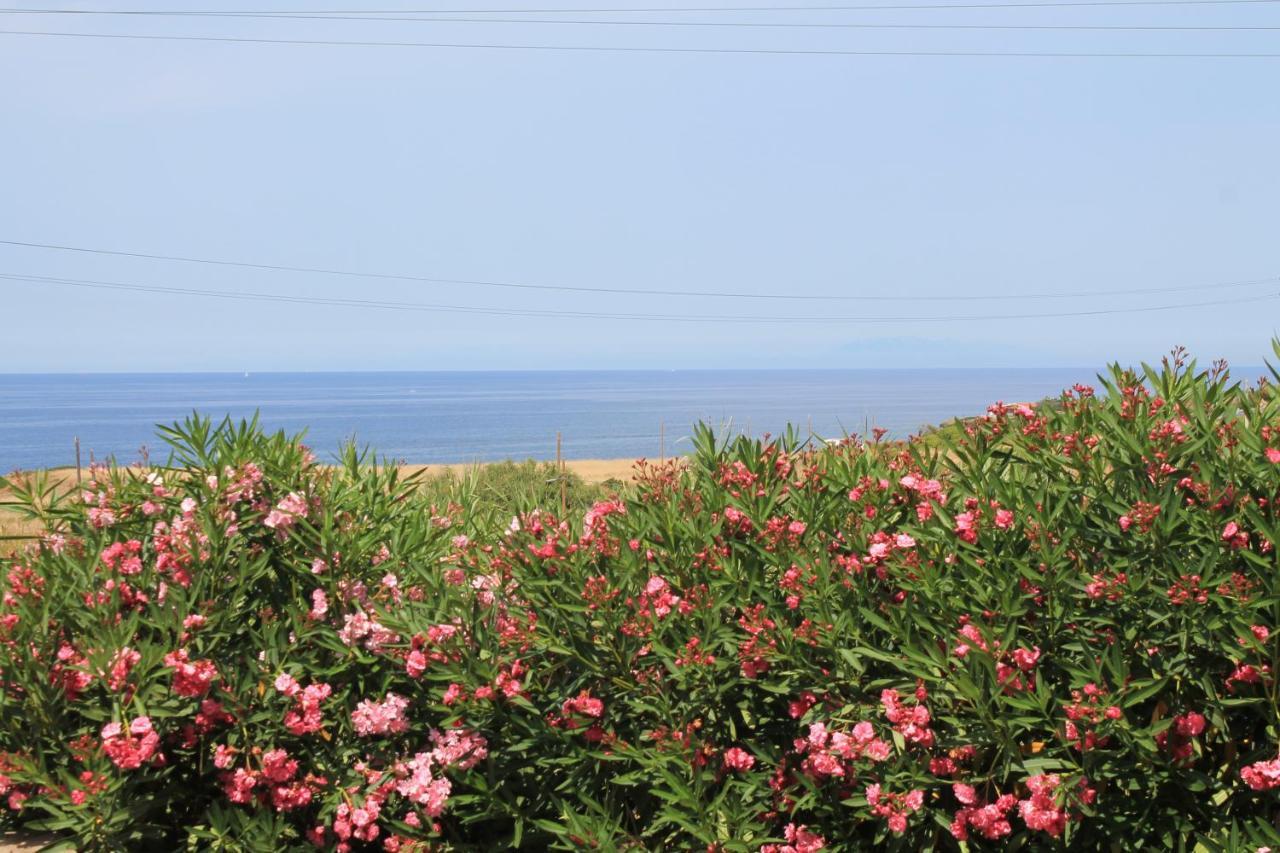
(766, 174)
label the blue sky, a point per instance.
(753, 173)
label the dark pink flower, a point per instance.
(190, 678)
(738, 759)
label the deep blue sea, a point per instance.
(466, 416)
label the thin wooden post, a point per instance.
(78, 476)
(564, 488)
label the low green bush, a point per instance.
(489, 494)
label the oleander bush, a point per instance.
(1054, 626)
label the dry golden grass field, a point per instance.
(12, 524)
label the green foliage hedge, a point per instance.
(1055, 627)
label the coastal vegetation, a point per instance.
(492, 489)
(1053, 626)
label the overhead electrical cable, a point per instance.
(545, 48)
(642, 291)
(1050, 4)
(762, 24)
(601, 315)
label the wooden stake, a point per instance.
(78, 476)
(564, 488)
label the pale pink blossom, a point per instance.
(1262, 775)
(381, 718)
(287, 512)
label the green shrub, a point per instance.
(493, 491)
(1056, 627)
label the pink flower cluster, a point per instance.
(754, 652)
(658, 596)
(359, 628)
(581, 712)
(1235, 537)
(458, 748)
(971, 638)
(101, 513)
(69, 671)
(1041, 810)
(1020, 675)
(319, 605)
(1262, 775)
(882, 545)
(123, 557)
(419, 786)
(425, 650)
(894, 807)
(927, 491)
(800, 839)
(910, 721)
(1088, 709)
(190, 678)
(121, 664)
(738, 759)
(584, 704)
(454, 748)
(1179, 738)
(988, 820)
(358, 822)
(305, 717)
(129, 749)
(242, 482)
(381, 718)
(594, 520)
(966, 527)
(276, 782)
(826, 753)
(287, 512)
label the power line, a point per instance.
(665, 318)
(740, 24)
(638, 291)
(314, 300)
(667, 50)
(634, 10)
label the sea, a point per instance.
(434, 417)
